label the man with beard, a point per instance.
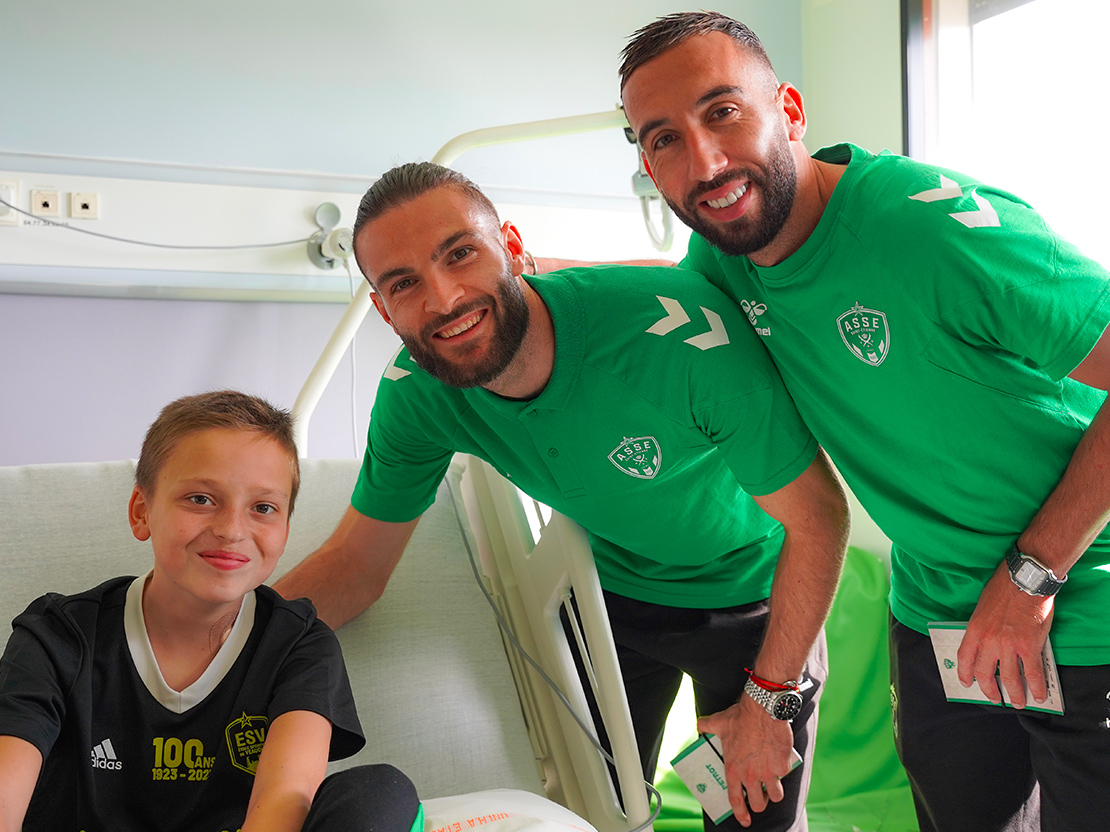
(637, 402)
(948, 350)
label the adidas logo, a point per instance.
(104, 756)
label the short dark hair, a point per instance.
(219, 409)
(405, 183)
(667, 32)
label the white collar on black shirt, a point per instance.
(142, 654)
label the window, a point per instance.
(1013, 92)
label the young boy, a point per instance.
(209, 703)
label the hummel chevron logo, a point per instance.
(984, 215)
(676, 316)
(393, 372)
(947, 190)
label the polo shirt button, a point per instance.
(552, 452)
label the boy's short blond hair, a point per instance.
(219, 409)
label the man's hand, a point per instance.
(1008, 631)
(757, 753)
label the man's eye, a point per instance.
(662, 141)
(200, 500)
(461, 252)
(399, 285)
(265, 508)
(723, 112)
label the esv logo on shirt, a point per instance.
(865, 333)
(639, 457)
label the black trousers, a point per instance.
(656, 644)
(375, 798)
(981, 768)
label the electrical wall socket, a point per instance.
(9, 192)
(45, 203)
(84, 206)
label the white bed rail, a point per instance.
(531, 582)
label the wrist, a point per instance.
(1032, 576)
(782, 700)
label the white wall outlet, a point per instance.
(84, 206)
(9, 192)
(45, 203)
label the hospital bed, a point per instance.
(441, 692)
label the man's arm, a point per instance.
(20, 763)
(814, 512)
(1009, 627)
(349, 571)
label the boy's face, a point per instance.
(219, 515)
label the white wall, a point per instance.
(286, 96)
(347, 87)
(852, 83)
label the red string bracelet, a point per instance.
(766, 685)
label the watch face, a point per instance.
(1030, 575)
(787, 705)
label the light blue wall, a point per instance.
(340, 86)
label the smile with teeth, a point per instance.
(462, 326)
(727, 199)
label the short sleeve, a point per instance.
(1017, 286)
(40, 661)
(403, 464)
(763, 438)
(314, 678)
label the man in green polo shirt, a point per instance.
(948, 350)
(637, 402)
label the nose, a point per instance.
(441, 292)
(229, 524)
(706, 157)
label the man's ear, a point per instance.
(794, 110)
(647, 167)
(377, 300)
(137, 510)
(514, 246)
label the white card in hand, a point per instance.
(947, 636)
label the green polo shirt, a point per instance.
(926, 329)
(662, 409)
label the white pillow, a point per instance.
(500, 810)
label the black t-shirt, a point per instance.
(80, 685)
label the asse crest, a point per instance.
(639, 457)
(865, 333)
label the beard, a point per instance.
(744, 235)
(510, 318)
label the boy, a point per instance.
(208, 702)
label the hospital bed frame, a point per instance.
(533, 574)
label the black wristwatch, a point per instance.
(781, 702)
(1030, 575)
